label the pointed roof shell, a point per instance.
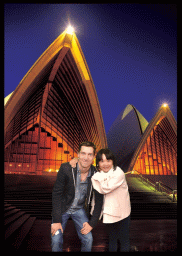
(43, 66)
(165, 117)
(125, 134)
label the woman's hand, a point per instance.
(73, 162)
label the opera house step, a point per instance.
(17, 224)
(147, 203)
(34, 196)
(37, 208)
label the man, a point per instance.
(71, 197)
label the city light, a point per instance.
(70, 30)
(164, 105)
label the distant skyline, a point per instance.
(130, 49)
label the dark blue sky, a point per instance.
(130, 49)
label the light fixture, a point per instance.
(164, 105)
(70, 30)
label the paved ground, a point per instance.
(145, 235)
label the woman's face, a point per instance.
(104, 164)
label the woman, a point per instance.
(110, 181)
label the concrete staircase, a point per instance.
(146, 203)
(33, 195)
(17, 224)
(28, 205)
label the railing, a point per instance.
(172, 193)
(159, 186)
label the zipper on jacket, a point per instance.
(75, 188)
(90, 191)
(90, 194)
(73, 177)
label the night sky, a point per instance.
(130, 49)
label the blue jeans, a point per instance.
(78, 217)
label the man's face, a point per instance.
(86, 156)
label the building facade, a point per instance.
(125, 134)
(148, 148)
(156, 154)
(53, 109)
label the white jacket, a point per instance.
(113, 185)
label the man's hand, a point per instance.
(55, 227)
(73, 162)
(86, 228)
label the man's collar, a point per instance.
(89, 172)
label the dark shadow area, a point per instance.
(27, 218)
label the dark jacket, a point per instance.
(64, 192)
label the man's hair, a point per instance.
(87, 144)
(109, 156)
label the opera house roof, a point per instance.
(149, 148)
(125, 134)
(55, 107)
(160, 140)
(56, 99)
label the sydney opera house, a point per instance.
(148, 148)
(55, 107)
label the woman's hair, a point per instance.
(109, 155)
